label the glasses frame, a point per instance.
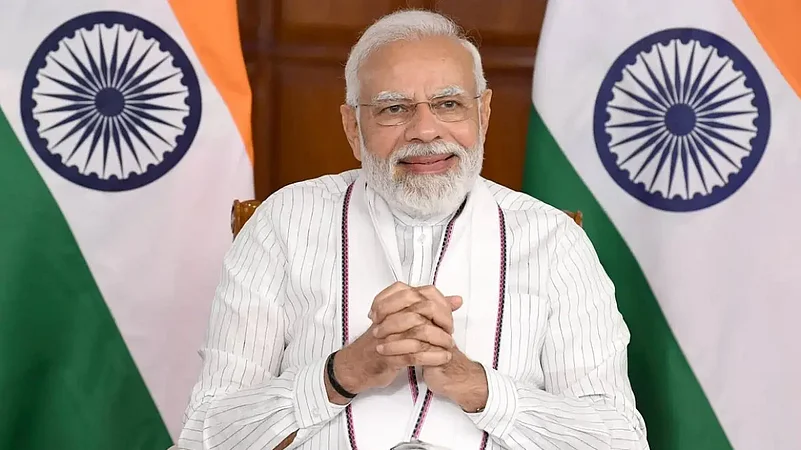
(414, 106)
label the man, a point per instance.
(413, 301)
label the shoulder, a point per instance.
(537, 229)
(525, 211)
(300, 199)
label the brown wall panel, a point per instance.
(500, 22)
(311, 141)
(504, 148)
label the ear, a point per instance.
(486, 99)
(351, 127)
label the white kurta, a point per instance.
(561, 380)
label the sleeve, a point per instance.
(242, 399)
(586, 401)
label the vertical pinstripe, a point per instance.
(561, 380)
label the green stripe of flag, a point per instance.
(677, 413)
(67, 380)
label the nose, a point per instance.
(424, 126)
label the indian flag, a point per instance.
(124, 138)
(674, 127)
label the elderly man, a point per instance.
(413, 301)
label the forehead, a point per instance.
(417, 68)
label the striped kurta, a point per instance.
(561, 380)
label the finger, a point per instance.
(398, 301)
(402, 347)
(439, 314)
(398, 323)
(390, 290)
(455, 301)
(431, 334)
(433, 294)
(426, 358)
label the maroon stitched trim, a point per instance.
(345, 292)
(501, 297)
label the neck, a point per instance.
(417, 219)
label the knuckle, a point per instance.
(428, 289)
(418, 331)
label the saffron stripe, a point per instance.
(220, 52)
(775, 24)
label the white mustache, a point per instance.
(427, 149)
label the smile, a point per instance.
(429, 164)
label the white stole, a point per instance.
(472, 267)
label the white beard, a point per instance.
(423, 196)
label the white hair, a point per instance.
(403, 26)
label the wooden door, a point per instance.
(296, 50)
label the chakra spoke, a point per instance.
(134, 129)
(121, 126)
(134, 68)
(708, 84)
(671, 95)
(642, 101)
(145, 87)
(688, 74)
(87, 74)
(637, 112)
(122, 69)
(92, 63)
(136, 80)
(646, 145)
(663, 101)
(86, 84)
(68, 97)
(640, 135)
(676, 73)
(654, 96)
(89, 127)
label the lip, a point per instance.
(429, 164)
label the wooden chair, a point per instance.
(241, 211)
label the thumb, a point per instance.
(455, 301)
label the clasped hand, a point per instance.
(411, 327)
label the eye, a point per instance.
(394, 110)
(448, 104)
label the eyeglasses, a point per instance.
(455, 108)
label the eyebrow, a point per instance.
(449, 91)
(395, 96)
(390, 96)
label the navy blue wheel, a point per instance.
(681, 120)
(110, 101)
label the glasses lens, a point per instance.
(451, 109)
(393, 113)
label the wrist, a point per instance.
(474, 391)
(336, 392)
(348, 373)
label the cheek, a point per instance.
(464, 133)
(383, 141)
